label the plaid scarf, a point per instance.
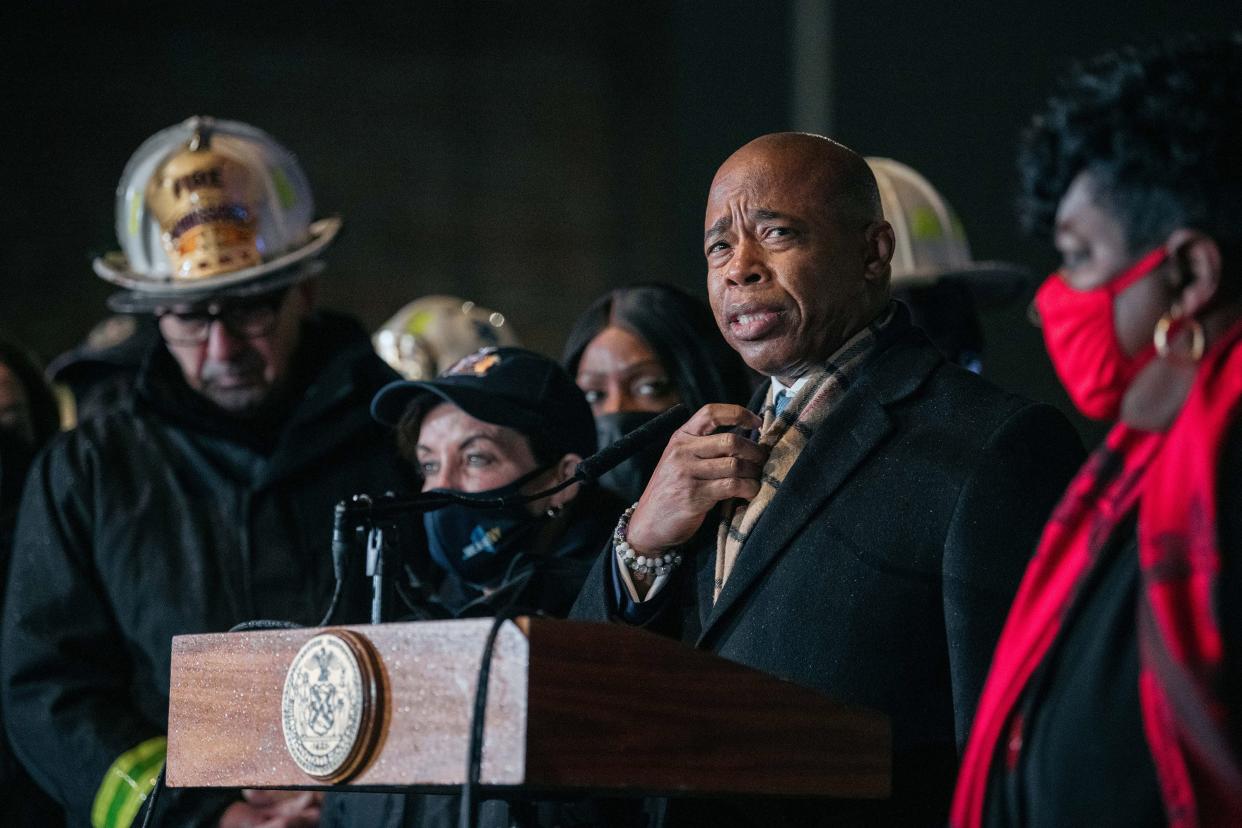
(1171, 479)
(786, 434)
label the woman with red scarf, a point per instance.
(1115, 694)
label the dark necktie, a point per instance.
(782, 401)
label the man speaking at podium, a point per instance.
(861, 529)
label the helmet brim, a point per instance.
(990, 283)
(114, 268)
(136, 301)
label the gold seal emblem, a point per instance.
(331, 706)
(207, 204)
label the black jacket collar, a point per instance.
(334, 366)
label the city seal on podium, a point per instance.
(332, 705)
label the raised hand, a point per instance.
(702, 465)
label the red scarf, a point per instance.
(1172, 477)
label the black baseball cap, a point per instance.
(511, 387)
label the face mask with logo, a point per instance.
(478, 545)
(629, 478)
(1081, 338)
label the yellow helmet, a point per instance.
(431, 333)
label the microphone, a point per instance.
(606, 459)
(367, 508)
(340, 540)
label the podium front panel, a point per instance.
(224, 727)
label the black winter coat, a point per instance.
(164, 518)
(882, 571)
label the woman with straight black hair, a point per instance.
(638, 350)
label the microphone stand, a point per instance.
(375, 569)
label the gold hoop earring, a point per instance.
(1198, 342)
(1160, 337)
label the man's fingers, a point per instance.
(713, 417)
(727, 445)
(730, 487)
(719, 468)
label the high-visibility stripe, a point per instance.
(126, 784)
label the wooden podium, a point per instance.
(572, 708)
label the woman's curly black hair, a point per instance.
(1160, 131)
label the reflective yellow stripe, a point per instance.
(283, 188)
(135, 211)
(127, 783)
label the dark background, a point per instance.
(527, 155)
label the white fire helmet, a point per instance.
(431, 333)
(931, 243)
(208, 206)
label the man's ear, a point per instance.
(1197, 262)
(565, 468)
(879, 251)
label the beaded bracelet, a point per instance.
(636, 563)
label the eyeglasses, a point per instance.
(249, 320)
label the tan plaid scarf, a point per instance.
(786, 435)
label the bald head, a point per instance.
(797, 251)
(829, 173)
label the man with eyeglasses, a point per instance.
(206, 499)
(236, 353)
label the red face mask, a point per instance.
(1081, 339)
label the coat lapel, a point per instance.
(842, 442)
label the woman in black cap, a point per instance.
(638, 350)
(501, 421)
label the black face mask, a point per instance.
(478, 545)
(629, 478)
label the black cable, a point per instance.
(340, 549)
(265, 624)
(337, 589)
(424, 602)
(153, 797)
(468, 813)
